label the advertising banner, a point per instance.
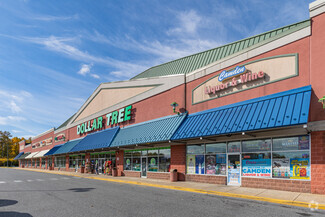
(281, 168)
(257, 168)
(299, 168)
(199, 164)
(233, 176)
(190, 164)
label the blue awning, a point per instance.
(20, 154)
(66, 147)
(157, 130)
(97, 140)
(53, 150)
(277, 110)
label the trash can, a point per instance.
(82, 169)
(173, 175)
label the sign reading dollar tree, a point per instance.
(122, 115)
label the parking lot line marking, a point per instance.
(18, 181)
(29, 180)
(2, 182)
(40, 180)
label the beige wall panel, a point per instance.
(109, 97)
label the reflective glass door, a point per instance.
(234, 169)
(144, 167)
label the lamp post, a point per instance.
(174, 105)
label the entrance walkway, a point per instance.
(312, 201)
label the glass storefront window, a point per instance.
(234, 146)
(216, 148)
(153, 164)
(164, 160)
(256, 145)
(291, 143)
(291, 165)
(215, 164)
(195, 149)
(128, 161)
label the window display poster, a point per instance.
(211, 164)
(303, 143)
(190, 164)
(257, 168)
(299, 168)
(281, 168)
(221, 159)
(233, 176)
(199, 164)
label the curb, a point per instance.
(200, 191)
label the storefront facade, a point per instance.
(246, 113)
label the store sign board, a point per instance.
(244, 77)
(257, 168)
(122, 115)
(59, 137)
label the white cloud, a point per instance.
(188, 22)
(54, 18)
(95, 76)
(10, 120)
(61, 45)
(85, 69)
(14, 107)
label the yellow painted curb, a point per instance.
(200, 191)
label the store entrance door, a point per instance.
(101, 164)
(144, 167)
(234, 170)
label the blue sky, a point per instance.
(53, 54)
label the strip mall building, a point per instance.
(248, 113)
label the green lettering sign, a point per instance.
(127, 115)
(124, 114)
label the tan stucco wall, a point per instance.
(109, 97)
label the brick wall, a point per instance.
(153, 175)
(120, 162)
(277, 184)
(220, 180)
(178, 160)
(128, 173)
(318, 162)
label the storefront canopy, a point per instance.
(157, 130)
(66, 147)
(97, 140)
(53, 150)
(277, 110)
(31, 155)
(23, 156)
(40, 154)
(20, 154)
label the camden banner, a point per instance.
(257, 168)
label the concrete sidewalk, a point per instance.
(274, 196)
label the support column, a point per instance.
(318, 162)
(178, 160)
(67, 163)
(120, 162)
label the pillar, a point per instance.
(120, 162)
(178, 160)
(318, 162)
